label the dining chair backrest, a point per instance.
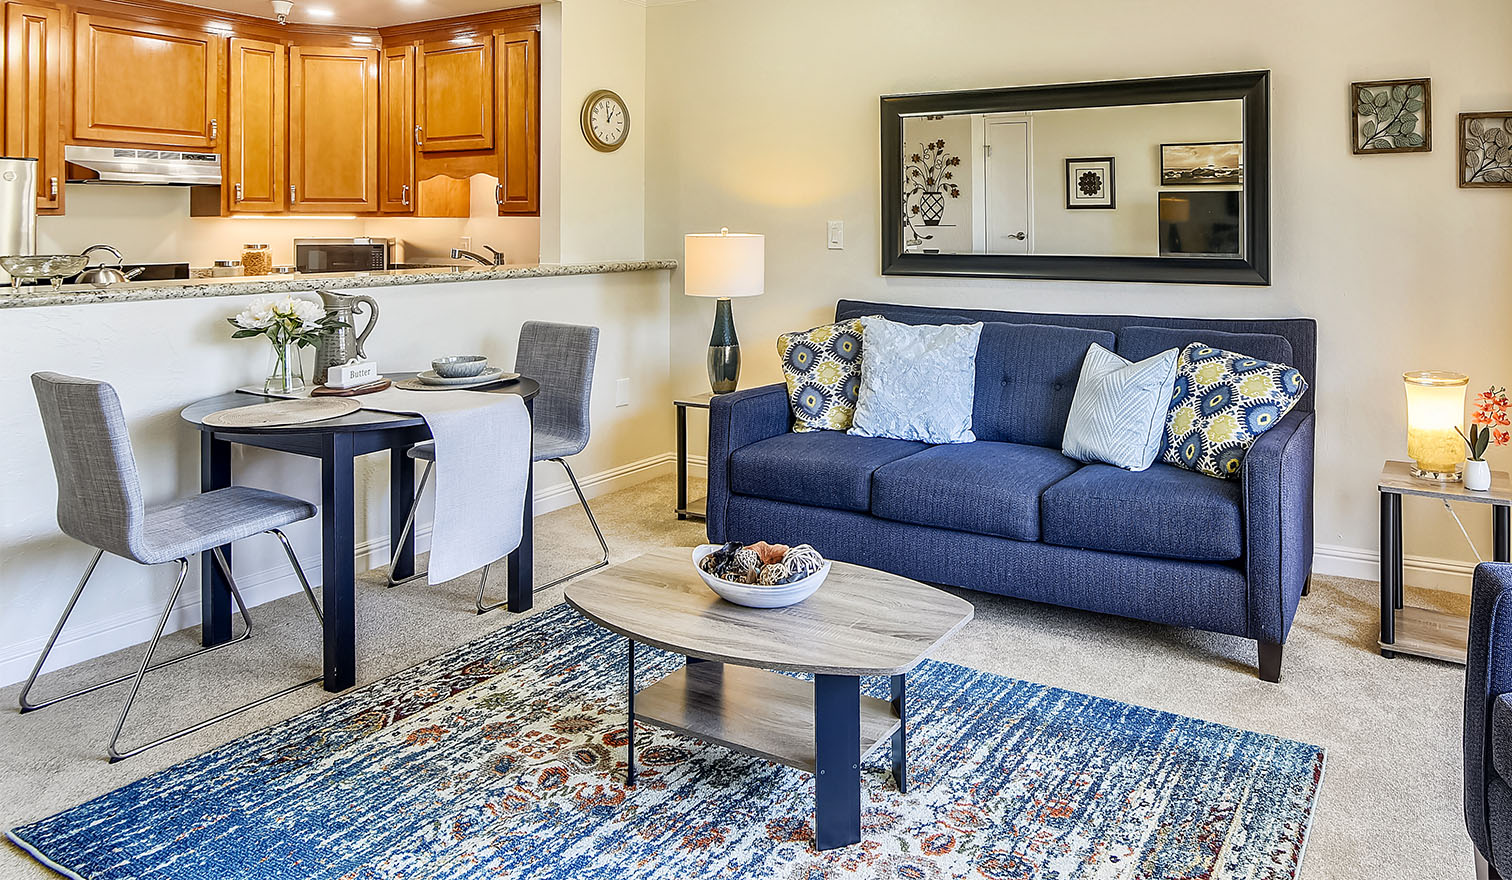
(99, 494)
(561, 358)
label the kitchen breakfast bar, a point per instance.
(167, 349)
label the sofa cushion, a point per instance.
(823, 468)
(1501, 736)
(822, 367)
(1164, 511)
(1026, 377)
(918, 381)
(1138, 343)
(983, 487)
(1221, 403)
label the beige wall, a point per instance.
(764, 118)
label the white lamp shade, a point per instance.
(724, 264)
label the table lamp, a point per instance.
(1435, 414)
(724, 265)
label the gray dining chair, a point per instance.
(100, 503)
(561, 358)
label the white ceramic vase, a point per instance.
(1477, 475)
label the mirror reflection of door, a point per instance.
(1007, 188)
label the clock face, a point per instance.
(606, 123)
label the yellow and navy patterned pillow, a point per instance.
(1221, 403)
(823, 371)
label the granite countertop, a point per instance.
(193, 288)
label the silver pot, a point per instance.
(103, 275)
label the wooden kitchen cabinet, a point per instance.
(519, 112)
(257, 114)
(34, 95)
(146, 83)
(454, 95)
(333, 129)
(396, 121)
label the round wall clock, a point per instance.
(606, 122)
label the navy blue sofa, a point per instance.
(1009, 514)
(1488, 717)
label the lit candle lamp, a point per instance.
(1435, 412)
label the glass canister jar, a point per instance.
(256, 259)
(1435, 415)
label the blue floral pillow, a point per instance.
(822, 367)
(1220, 404)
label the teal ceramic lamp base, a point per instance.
(724, 350)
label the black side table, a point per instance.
(1425, 632)
(685, 510)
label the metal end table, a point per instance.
(696, 509)
(1425, 632)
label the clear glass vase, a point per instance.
(286, 370)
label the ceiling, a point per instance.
(362, 13)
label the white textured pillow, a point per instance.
(918, 382)
(1118, 413)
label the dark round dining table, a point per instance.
(337, 443)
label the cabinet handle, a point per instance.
(498, 193)
(405, 191)
(293, 194)
(238, 192)
(214, 129)
(417, 136)
(52, 187)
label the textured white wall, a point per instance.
(764, 118)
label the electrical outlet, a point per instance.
(622, 392)
(466, 243)
(837, 235)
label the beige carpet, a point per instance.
(1390, 802)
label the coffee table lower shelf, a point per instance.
(752, 711)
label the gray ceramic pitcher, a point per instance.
(343, 343)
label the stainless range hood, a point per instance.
(141, 167)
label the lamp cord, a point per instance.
(1448, 507)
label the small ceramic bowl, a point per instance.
(460, 367)
(756, 595)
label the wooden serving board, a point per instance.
(323, 391)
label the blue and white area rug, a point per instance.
(504, 759)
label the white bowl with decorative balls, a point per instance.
(758, 595)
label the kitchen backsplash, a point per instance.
(152, 224)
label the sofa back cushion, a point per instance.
(1138, 343)
(1026, 377)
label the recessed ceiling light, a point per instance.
(321, 12)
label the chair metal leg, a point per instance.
(409, 523)
(117, 754)
(603, 545)
(483, 585)
(28, 706)
(304, 582)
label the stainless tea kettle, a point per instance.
(103, 275)
(343, 343)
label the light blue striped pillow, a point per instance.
(1119, 411)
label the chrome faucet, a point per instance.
(498, 258)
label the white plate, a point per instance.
(492, 374)
(282, 412)
(756, 595)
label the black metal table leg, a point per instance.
(1391, 566)
(900, 736)
(401, 499)
(338, 563)
(630, 728)
(521, 563)
(682, 462)
(1501, 524)
(837, 752)
(215, 593)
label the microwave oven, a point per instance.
(313, 255)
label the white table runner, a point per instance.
(482, 465)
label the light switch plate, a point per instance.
(622, 392)
(837, 235)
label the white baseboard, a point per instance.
(1428, 572)
(134, 626)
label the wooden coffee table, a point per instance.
(861, 622)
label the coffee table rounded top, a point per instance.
(861, 622)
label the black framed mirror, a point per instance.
(1145, 180)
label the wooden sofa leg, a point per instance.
(1270, 661)
(1307, 585)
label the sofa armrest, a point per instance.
(1488, 675)
(737, 420)
(1277, 479)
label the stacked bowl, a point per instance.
(780, 594)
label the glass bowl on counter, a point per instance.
(54, 267)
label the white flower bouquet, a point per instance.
(290, 323)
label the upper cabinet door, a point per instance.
(396, 121)
(519, 114)
(455, 96)
(34, 95)
(139, 83)
(258, 113)
(333, 129)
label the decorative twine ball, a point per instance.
(747, 560)
(803, 560)
(774, 574)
